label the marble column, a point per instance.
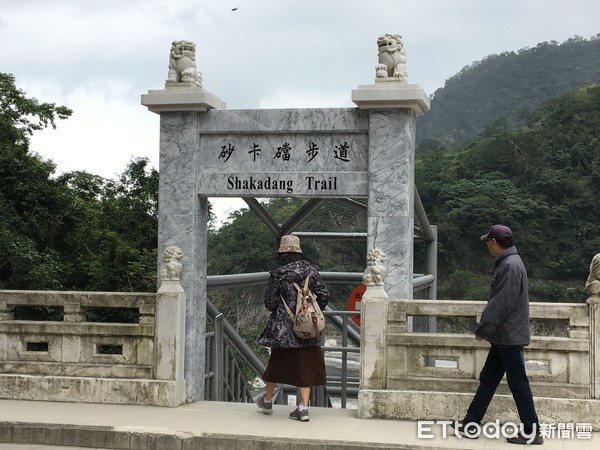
(169, 332)
(393, 108)
(182, 213)
(594, 307)
(391, 198)
(182, 221)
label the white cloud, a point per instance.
(223, 207)
(300, 98)
(104, 133)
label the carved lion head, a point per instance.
(173, 253)
(375, 257)
(183, 48)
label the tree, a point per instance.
(110, 237)
(76, 231)
(21, 116)
(31, 203)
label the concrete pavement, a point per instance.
(219, 425)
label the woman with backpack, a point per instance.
(294, 360)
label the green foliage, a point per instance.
(462, 285)
(31, 203)
(76, 231)
(553, 291)
(244, 245)
(541, 180)
(112, 231)
(21, 116)
(43, 313)
(498, 89)
(109, 238)
(112, 315)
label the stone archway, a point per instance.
(207, 150)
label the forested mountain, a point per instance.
(500, 87)
(542, 180)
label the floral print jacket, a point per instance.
(278, 332)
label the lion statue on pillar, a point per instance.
(375, 272)
(172, 266)
(182, 64)
(592, 284)
(392, 58)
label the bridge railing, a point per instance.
(225, 380)
(71, 341)
(558, 362)
(100, 347)
(434, 375)
(72, 356)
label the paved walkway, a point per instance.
(218, 425)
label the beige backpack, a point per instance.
(308, 321)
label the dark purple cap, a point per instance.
(498, 232)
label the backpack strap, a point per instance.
(306, 291)
(287, 308)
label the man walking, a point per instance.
(505, 325)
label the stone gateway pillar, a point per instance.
(182, 213)
(393, 107)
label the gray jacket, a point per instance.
(505, 319)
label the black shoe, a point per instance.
(525, 440)
(470, 430)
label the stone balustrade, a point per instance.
(79, 359)
(433, 376)
(76, 346)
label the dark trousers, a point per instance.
(501, 360)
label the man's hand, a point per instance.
(479, 338)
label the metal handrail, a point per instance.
(224, 379)
(262, 278)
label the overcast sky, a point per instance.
(98, 57)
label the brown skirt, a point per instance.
(296, 366)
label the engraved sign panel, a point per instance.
(270, 153)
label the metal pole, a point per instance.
(431, 252)
(219, 357)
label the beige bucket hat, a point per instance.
(289, 244)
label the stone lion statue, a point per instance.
(375, 272)
(171, 268)
(182, 64)
(392, 58)
(592, 285)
